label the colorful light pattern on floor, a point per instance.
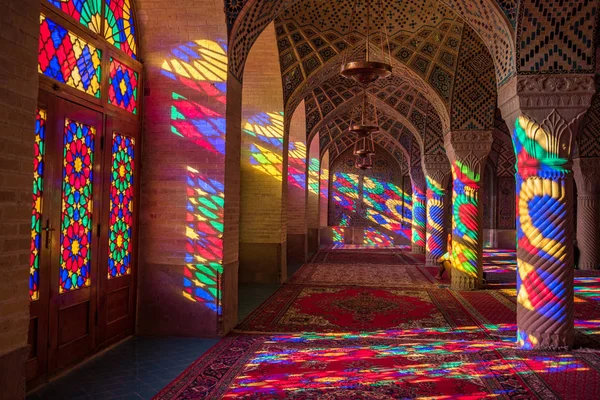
(120, 241)
(77, 198)
(86, 12)
(119, 26)
(544, 257)
(39, 148)
(375, 238)
(204, 231)
(67, 58)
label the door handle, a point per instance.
(48, 229)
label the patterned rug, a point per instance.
(310, 367)
(302, 308)
(368, 257)
(360, 274)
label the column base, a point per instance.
(461, 281)
(531, 340)
(418, 249)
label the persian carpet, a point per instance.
(365, 367)
(360, 274)
(408, 310)
(363, 257)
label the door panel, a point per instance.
(117, 260)
(73, 282)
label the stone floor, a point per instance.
(140, 367)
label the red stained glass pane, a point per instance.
(38, 188)
(122, 89)
(76, 217)
(121, 207)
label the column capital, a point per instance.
(437, 169)
(468, 151)
(587, 176)
(537, 96)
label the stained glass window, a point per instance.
(119, 28)
(87, 12)
(121, 207)
(68, 58)
(38, 188)
(76, 215)
(122, 89)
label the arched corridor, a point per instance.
(321, 198)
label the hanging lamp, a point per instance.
(364, 146)
(372, 67)
(368, 124)
(365, 162)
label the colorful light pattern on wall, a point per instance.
(36, 215)
(345, 193)
(544, 293)
(297, 165)
(375, 238)
(76, 214)
(122, 86)
(313, 176)
(466, 220)
(69, 59)
(386, 204)
(198, 69)
(436, 234)
(86, 12)
(120, 242)
(119, 26)
(200, 65)
(204, 231)
(419, 217)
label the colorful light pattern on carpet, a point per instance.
(39, 148)
(120, 241)
(77, 198)
(119, 26)
(122, 86)
(68, 59)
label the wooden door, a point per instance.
(74, 216)
(116, 295)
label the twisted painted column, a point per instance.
(436, 230)
(419, 218)
(587, 177)
(544, 241)
(544, 113)
(468, 151)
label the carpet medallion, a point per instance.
(301, 308)
(305, 367)
(360, 274)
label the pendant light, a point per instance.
(372, 67)
(367, 124)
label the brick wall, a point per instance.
(296, 204)
(263, 165)
(324, 189)
(313, 181)
(19, 28)
(183, 166)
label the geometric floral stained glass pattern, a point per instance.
(87, 12)
(67, 58)
(76, 214)
(122, 86)
(119, 27)
(36, 215)
(121, 207)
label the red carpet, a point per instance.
(312, 367)
(360, 274)
(368, 328)
(301, 308)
